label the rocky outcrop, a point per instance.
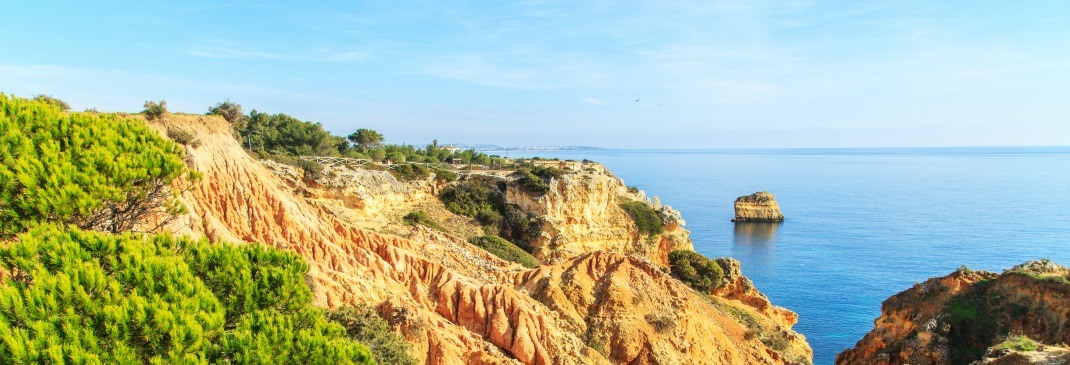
(735, 286)
(635, 313)
(582, 213)
(757, 207)
(956, 318)
(1045, 355)
(455, 302)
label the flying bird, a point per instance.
(636, 100)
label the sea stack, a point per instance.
(757, 207)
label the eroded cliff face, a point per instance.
(757, 207)
(956, 319)
(457, 303)
(582, 213)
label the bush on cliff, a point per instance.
(84, 297)
(485, 203)
(536, 179)
(95, 171)
(155, 110)
(645, 217)
(286, 135)
(695, 270)
(443, 175)
(505, 250)
(410, 172)
(529, 182)
(420, 217)
(229, 110)
(519, 226)
(363, 324)
(474, 199)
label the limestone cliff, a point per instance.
(582, 213)
(955, 318)
(457, 303)
(757, 207)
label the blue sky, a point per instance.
(709, 74)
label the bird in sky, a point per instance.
(636, 100)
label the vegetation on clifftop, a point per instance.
(695, 270)
(645, 217)
(95, 171)
(282, 134)
(484, 202)
(69, 295)
(535, 179)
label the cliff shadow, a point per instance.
(755, 234)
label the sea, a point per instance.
(860, 224)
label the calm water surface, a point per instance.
(861, 224)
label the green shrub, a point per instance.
(529, 182)
(48, 99)
(485, 203)
(420, 217)
(366, 326)
(282, 134)
(645, 217)
(229, 110)
(155, 110)
(410, 172)
(444, 175)
(777, 340)
(311, 170)
(695, 270)
(475, 199)
(519, 226)
(95, 171)
(547, 172)
(505, 250)
(1018, 343)
(84, 297)
(662, 321)
(180, 135)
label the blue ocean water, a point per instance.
(861, 224)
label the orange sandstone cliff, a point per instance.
(974, 317)
(597, 299)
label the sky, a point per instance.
(706, 74)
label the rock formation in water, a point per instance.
(973, 317)
(602, 297)
(757, 207)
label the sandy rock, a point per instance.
(757, 207)
(582, 213)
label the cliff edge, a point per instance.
(457, 303)
(973, 317)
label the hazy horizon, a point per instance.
(707, 75)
